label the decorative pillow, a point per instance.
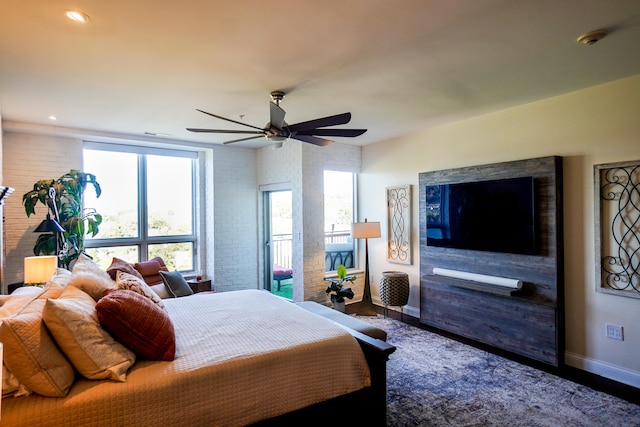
(12, 304)
(31, 354)
(73, 322)
(138, 323)
(161, 290)
(118, 264)
(32, 291)
(131, 283)
(175, 283)
(90, 278)
(58, 282)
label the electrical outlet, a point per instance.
(614, 332)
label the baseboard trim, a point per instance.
(407, 309)
(607, 370)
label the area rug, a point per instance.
(436, 381)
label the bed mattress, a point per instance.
(241, 357)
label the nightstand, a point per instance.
(202, 285)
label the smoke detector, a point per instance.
(592, 37)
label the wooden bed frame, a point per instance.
(367, 406)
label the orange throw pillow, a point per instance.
(138, 323)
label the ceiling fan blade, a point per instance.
(229, 120)
(276, 115)
(225, 131)
(349, 133)
(338, 119)
(312, 140)
(241, 139)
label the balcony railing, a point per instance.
(338, 250)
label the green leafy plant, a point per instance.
(66, 207)
(337, 285)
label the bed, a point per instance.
(241, 358)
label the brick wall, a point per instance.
(26, 159)
(235, 219)
(228, 179)
(302, 167)
(233, 253)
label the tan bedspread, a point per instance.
(241, 357)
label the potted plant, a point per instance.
(65, 207)
(337, 287)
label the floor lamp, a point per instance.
(50, 225)
(366, 230)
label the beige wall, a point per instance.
(592, 126)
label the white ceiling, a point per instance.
(397, 66)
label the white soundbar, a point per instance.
(482, 278)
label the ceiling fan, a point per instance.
(277, 130)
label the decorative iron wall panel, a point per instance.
(399, 224)
(617, 228)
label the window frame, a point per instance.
(142, 241)
(354, 207)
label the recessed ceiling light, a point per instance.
(74, 15)
(53, 118)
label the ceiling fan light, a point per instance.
(276, 145)
(277, 138)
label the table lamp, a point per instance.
(39, 269)
(366, 230)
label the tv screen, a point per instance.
(496, 216)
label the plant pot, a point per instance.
(339, 306)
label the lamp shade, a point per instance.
(39, 269)
(361, 230)
(49, 225)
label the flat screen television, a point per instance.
(496, 215)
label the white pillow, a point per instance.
(32, 291)
(57, 283)
(73, 321)
(161, 290)
(89, 277)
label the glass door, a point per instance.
(278, 226)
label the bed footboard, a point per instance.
(363, 407)
(377, 353)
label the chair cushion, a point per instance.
(150, 270)
(281, 272)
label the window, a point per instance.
(147, 204)
(339, 199)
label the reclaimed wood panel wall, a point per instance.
(529, 322)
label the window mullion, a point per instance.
(143, 220)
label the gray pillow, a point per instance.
(175, 284)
